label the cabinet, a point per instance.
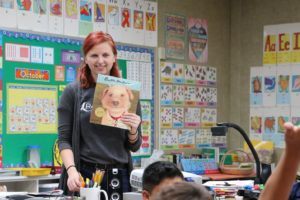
(26, 183)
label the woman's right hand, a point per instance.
(73, 180)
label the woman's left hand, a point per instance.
(132, 120)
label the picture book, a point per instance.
(112, 98)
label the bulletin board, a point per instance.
(34, 70)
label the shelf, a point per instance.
(26, 183)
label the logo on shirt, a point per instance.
(86, 107)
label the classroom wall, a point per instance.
(235, 42)
(217, 14)
(248, 18)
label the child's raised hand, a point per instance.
(292, 138)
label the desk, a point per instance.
(221, 176)
(26, 183)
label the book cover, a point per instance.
(112, 98)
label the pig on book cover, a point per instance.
(112, 98)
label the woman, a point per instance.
(85, 146)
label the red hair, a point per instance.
(94, 38)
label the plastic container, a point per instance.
(33, 156)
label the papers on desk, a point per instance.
(229, 184)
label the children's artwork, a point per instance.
(137, 36)
(166, 117)
(40, 7)
(9, 13)
(178, 117)
(166, 95)
(198, 40)
(283, 89)
(24, 5)
(178, 94)
(256, 86)
(40, 16)
(99, 11)
(99, 15)
(55, 24)
(175, 27)
(178, 73)
(283, 115)
(295, 116)
(269, 124)
(138, 19)
(24, 14)
(150, 23)
(295, 86)
(85, 17)
(166, 72)
(113, 19)
(71, 16)
(55, 7)
(256, 126)
(269, 86)
(126, 28)
(113, 15)
(113, 97)
(169, 139)
(125, 21)
(85, 10)
(203, 137)
(186, 138)
(190, 74)
(192, 117)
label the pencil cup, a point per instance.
(92, 193)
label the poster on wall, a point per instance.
(113, 19)
(24, 15)
(99, 15)
(198, 40)
(40, 16)
(281, 44)
(71, 18)
(85, 17)
(150, 23)
(175, 27)
(55, 23)
(32, 109)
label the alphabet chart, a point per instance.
(274, 100)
